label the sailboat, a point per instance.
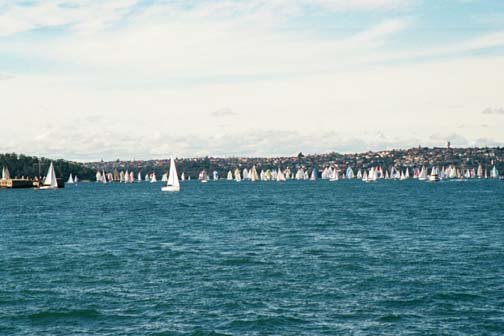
(359, 174)
(182, 177)
(215, 175)
(434, 176)
(173, 181)
(153, 178)
(203, 176)
(103, 177)
(314, 175)
(50, 181)
(480, 171)
(280, 176)
(253, 176)
(350, 173)
(237, 175)
(230, 176)
(139, 177)
(494, 173)
(423, 174)
(70, 179)
(164, 178)
(365, 176)
(334, 175)
(372, 176)
(5, 173)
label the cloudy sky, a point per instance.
(103, 79)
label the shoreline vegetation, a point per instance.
(22, 166)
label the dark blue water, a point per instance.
(226, 258)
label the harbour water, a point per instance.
(226, 258)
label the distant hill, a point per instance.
(28, 166)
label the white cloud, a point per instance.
(493, 110)
(224, 112)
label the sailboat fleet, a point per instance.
(332, 173)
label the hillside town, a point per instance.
(464, 158)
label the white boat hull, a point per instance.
(171, 188)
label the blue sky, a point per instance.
(141, 79)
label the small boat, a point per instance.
(215, 175)
(314, 174)
(203, 176)
(182, 177)
(365, 176)
(50, 181)
(153, 178)
(70, 179)
(423, 174)
(280, 176)
(480, 171)
(253, 176)
(230, 175)
(334, 175)
(5, 173)
(139, 177)
(349, 173)
(237, 175)
(173, 181)
(434, 176)
(494, 173)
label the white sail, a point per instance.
(365, 176)
(359, 174)
(453, 172)
(229, 175)
(494, 173)
(253, 176)
(423, 174)
(153, 177)
(314, 175)
(70, 179)
(76, 179)
(139, 177)
(5, 173)
(480, 171)
(182, 177)
(280, 177)
(173, 181)
(103, 177)
(50, 181)
(372, 175)
(237, 175)
(349, 173)
(215, 175)
(164, 178)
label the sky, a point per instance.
(102, 79)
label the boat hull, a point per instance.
(170, 188)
